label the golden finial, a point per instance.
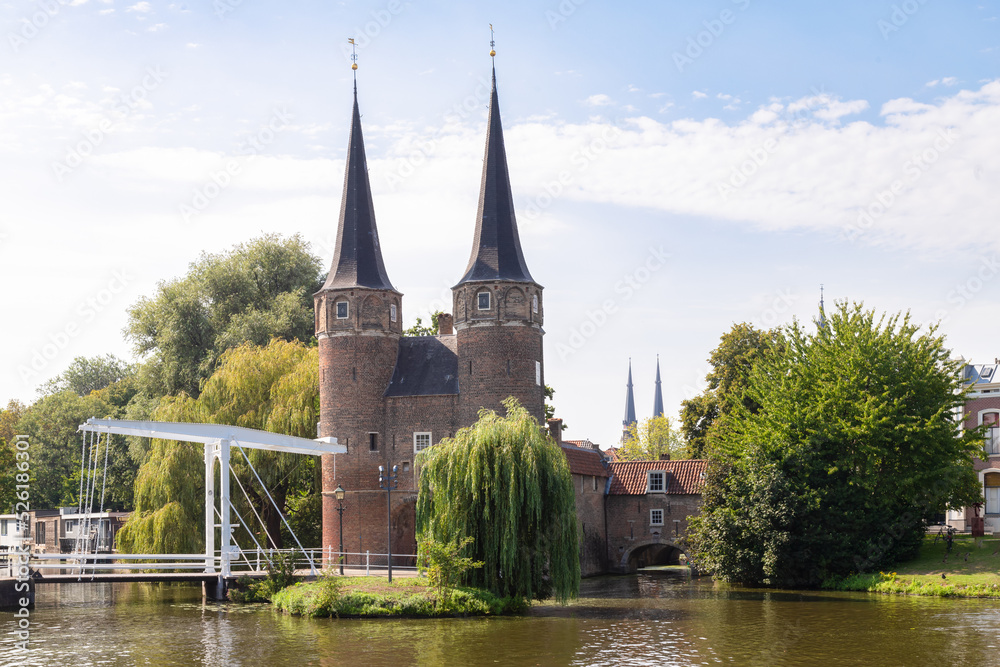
(354, 54)
(493, 52)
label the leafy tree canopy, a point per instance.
(703, 418)
(846, 444)
(506, 485)
(418, 329)
(253, 293)
(651, 439)
(85, 375)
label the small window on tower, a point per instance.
(538, 373)
(656, 517)
(534, 303)
(392, 312)
(341, 310)
(484, 300)
(373, 442)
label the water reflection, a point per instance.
(645, 619)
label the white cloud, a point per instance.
(599, 100)
(157, 27)
(141, 8)
(106, 11)
(698, 95)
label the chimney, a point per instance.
(445, 324)
(555, 429)
(665, 456)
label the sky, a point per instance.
(677, 167)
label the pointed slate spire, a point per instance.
(496, 248)
(658, 397)
(357, 261)
(629, 401)
(821, 322)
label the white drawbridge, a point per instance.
(219, 440)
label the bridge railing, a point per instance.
(241, 562)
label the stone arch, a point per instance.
(651, 552)
(374, 314)
(516, 304)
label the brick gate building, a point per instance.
(387, 396)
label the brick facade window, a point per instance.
(392, 312)
(373, 442)
(534, 303)
(342, 310)
(992, 422)
(656, 481)
(483, 301)
(538, 373)
(655, 517)
(421, 441)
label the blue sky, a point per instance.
(726, 157)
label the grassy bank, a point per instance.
(972, 569)
(371, 597)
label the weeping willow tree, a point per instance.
(506, 485)
(273, 388)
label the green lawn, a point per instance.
(972, 569)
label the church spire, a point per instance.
(629, 419)
(658, 397)
(357, 261)
(496, 247)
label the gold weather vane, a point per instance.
(354, 55)
(493, 52)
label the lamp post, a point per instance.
(388, 482)
(339, 495)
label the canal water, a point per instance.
(644, 619)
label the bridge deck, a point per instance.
(102, 577)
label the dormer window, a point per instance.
(656, 481)
(342, 310)
(483, 300)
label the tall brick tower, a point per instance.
(497, 304)
(358, 324)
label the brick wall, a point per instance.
(629, 525)
(590, 519)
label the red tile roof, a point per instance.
(582, 444)
(584, 461)
(683, 476)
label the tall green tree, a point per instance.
(85, 375)
(704, 417)
(846, 444)
(420, 329)
(273, 388)
(55, 445)
(651, 439)
(506, 485)
(253, 293)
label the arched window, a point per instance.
(991, 488)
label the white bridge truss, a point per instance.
(219, 441)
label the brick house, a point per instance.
(648, 505)
(387, 396)
(983, 407)
(631, 513)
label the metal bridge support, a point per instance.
(220, 450)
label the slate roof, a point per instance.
(496, 247)
(629, 400)
(683, 476)
(357, 260)
(584, 461)
(425, 366)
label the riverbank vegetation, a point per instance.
(970, 569)
(843, 445)
(374, 597)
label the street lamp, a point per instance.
(339, 494)
(388, 482)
